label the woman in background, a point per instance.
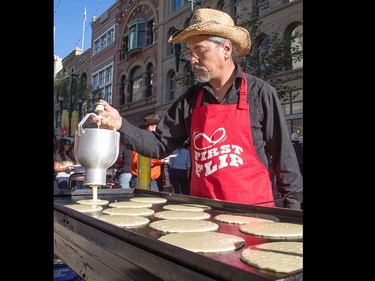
(63, 163)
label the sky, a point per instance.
(69, 31)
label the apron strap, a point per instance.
(243, 92)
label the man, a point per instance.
(125, 175)
(233, 119)
(179, 170)
(149, 125)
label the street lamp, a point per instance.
(192, 2)
(177, 54)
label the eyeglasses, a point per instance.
(197, 54)
(67, 144)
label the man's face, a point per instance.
(207, 58)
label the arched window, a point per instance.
(151, 32)
(137, 34)
(264, 46)
(125, 48)
(297, 47)
(136, 82)
(149, 80)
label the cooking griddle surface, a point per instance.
(231, 258)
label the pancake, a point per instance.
(170, 226)
(152, 200)
(128, 211)
(180, 215)
(85, 208)
(282, 257)
(205, 207)
(243, 219)
(273, 230)
(125, 220)
(204, 242)
(285, 247)
(93, 202)
(129, 204)
(178, 207)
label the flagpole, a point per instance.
(83, 27)
(54, 44)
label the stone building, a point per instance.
(132, 65)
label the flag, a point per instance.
(84, 13)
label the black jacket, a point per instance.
(269, 130)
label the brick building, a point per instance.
(132, 65)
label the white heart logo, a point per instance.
(210, 140)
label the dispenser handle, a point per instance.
(80, 130)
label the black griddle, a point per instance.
(98, 250)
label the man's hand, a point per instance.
(110, 117)
(165, 160)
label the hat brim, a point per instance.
(148, 123)
(239, 36)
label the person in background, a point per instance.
(233, 119)
(298, 149)
(125, 169)
(148, 125)
(179, 170)
(64, 161)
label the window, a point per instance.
(297, 47)
(293, 108)
(104, 40)
(292, 103)
(295, 126)
(264, 46)
(136, 81)
(149, 80)
(107, 95)
(151, 32)
(125, 48)
(108, 74)
(169, 47)
(261, 6)
(95, 81)
(177, 4)
(137, 34)
(101, 78)
(102, 84)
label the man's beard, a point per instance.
(202, 78)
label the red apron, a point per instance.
(224, 162)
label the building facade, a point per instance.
(132, 66)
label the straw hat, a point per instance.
(152, 119)
(215, 22)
